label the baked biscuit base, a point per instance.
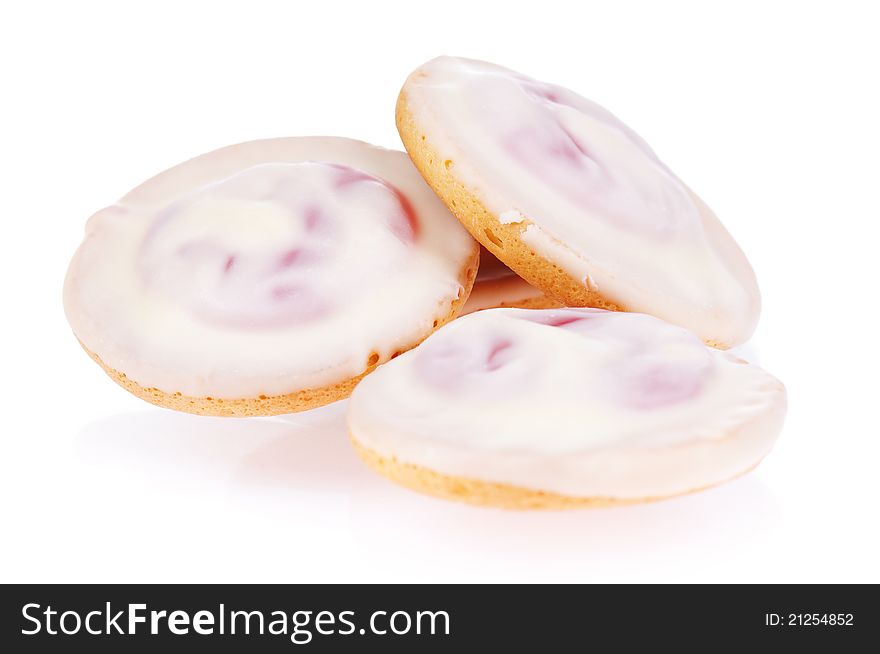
(492, 494)
(502, 240)
(270, 405)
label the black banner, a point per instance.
(226, 618)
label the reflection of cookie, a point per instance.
(564, 407)
(497, 285)
(572, 200)
(246, 281)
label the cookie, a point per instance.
(563, 408)
(267, 277)
(573, 200)
(497, 285)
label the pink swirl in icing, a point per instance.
(654, 366)
(266, 284)
(650, 382)
(403, 223)
(646, 377)
(569, 318)
(488, 366)
(587, 172)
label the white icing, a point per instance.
(599, 202)
(266, 268)
(511, 216)
(581, 402)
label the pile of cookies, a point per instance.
(597, 293)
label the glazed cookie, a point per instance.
(267, 277)
(497, 285)
(563, 408)
(573, 200)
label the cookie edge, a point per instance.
(494, 494)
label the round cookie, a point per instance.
(497, 285)
(573, 200)
(267, 277)
(563, 408)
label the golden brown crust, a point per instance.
(473, 491)
(502, 240)
(485, 493)
(270, 405)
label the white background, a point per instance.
(769, 110)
